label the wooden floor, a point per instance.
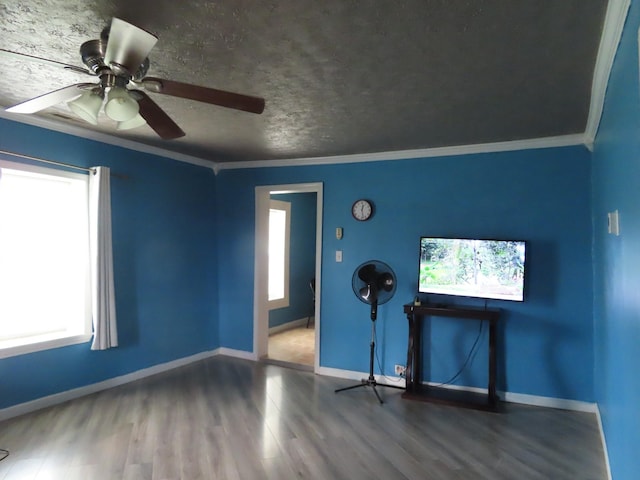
(226, 418)
(296, 345)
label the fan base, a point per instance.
(369, 382)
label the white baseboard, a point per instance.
(230, 352)
(604, 443)
(288, 326)
(353, 375)
(534, 400)
(549, 402)
(61, 397)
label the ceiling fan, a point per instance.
(120, 60)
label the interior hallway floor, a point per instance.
(296, 345)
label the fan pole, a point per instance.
(371, 381)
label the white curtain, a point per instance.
(105, 332)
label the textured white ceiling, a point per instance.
(338, 76)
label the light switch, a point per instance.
(338, 255)
(339, 233)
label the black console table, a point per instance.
(416, 390)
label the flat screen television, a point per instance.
(490, 269)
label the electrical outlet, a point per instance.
(400, 370)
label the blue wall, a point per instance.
(165, 233)
(184, 288)
(164, 241)
(616, 172)
(302, 254)
(540, 196)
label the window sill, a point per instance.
(14, 348)
(279, 303)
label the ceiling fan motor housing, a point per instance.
(93, 52)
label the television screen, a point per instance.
(472, 268)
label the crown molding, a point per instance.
(614, 21)
(536, 143)
(87, 134)
(547, 142)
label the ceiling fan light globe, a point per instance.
(135, 122)
(87, 106)
(120, 106)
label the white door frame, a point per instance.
(260, 284)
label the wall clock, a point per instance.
(362, 210)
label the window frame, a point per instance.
(284, 301)
(35, 343)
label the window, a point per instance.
(279, 229)
(44, 259)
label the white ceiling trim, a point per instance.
(77, 131)
(615, 18)
(548, 142)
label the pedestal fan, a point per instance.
(374, 283)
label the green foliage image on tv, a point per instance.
(491, 269)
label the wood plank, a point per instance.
(225, 418)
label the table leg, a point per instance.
(493, 397)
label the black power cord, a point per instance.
(375, 339)
(470, 356)
(3, 454)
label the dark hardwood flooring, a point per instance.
(225, 418)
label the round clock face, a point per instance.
(362, 210)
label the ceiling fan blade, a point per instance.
(46, 61)
(128, 45)
(50, 99)
(157, 119)
(236, 101)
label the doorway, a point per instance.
(305, 327)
